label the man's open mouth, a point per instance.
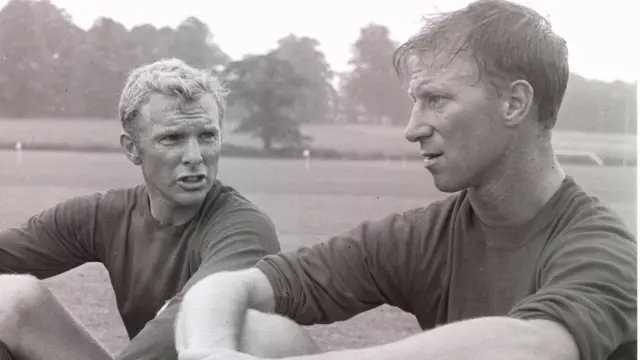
(192, 179)
(431, 158)
(431, 155)
(192, 182)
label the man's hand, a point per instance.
(214, 354)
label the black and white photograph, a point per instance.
(318, 180)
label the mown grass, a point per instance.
(358, 139)
(307, 206)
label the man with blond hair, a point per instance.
(156, 239)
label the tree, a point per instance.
(193, 43)
(317, 99)
(25, 61)
(63, 38)
(50, 67)
(373, 93)
(151, 44)
(597, 106)
(267, 89)
(104, 58)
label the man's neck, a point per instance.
(526, 183)
(167, 213)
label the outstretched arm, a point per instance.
(324, 283)
(586, 307)
(487, 338)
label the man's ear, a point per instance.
(130, 148)
(518, 102)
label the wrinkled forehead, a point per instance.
(169, 111)
(442, 67)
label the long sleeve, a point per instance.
(236, 241)
(53, 241)
(589, 285)
(370, 265)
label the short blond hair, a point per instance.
(170, 77)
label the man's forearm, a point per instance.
(212, 313)
(488, 338)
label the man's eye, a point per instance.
(436, 100)
(170, 138)
(209, 135)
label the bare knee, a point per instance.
(21, 293)
(20, 296)
(274, 336)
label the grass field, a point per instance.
(345, 138)
(306, 206)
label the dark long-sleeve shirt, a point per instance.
(575, 262)
(148, 263)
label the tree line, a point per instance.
(51, 68)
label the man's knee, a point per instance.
(274, 336)
(21, 292)
(20, 296)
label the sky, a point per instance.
(599, 33)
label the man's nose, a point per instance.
(417, 128)
(192, 154)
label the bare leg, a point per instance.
(35, 326)
(273, 336)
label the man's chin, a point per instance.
(446, 185)
(191, 197)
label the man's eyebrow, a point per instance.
(167, 131)
(421, 81)
(212, 129)
(418, 84)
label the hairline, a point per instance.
(498, 70)
(185, 83)
(176, 99)
(133, 128)
(487, 73)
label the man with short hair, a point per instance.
(519, 263)
(155, 240)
